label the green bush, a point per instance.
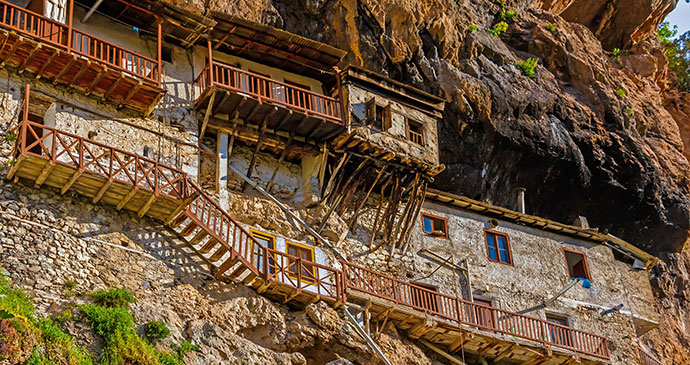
(10, 137)
(499, 28)
(14, 302)
(629, 111)
(621, 92)
(177, 357)
(616, 52)
(122, 344)
(59, 345)
(510, 15)
(677, 52)
(113, 298)
(156, 330)
(528, 66)
(473, 28)
(551, 27)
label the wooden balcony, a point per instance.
(256, 100)
(66, 56)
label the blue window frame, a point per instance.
(498, 247)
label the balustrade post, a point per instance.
(70, 19)
(25, 117)
(299, 273)
(210, 62)
(155, 179)
(160, 50)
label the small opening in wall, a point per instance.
(434, 226)
(415, 132)
(577, 264)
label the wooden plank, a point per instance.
(11, 51)
(198, 237)
(79, 74)
(95, 81)
(41, 70)
(186, 231)
(222, 250)
(225, 266)
(204, 123)
(208, 246)
(64, 70)
(14, 168)
(112, 88)
(183, 204)
(458, 344)
(448, 356)
(131, 93)
(503, 354)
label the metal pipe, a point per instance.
(287, 210)
(521, 200)
(553, 298)
(371, 342)
(91, 11)
(470, 296)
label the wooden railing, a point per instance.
(473, 314)
(83, 44)
(268, 90)
(269, 264)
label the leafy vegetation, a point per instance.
(621, 92)
(499, 28)
(506, 14)
(177, 357)
(551, 27)
(473, 27)
(528, 66)
(156, 330)
(616, 52)
(629, 111)
(10, 137)
(113, 298)
(54, 345)
(677, 52)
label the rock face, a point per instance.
(588, 120)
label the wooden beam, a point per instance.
(285, 119)
(256, 149)
(448, 356)
(222, 101)
(29, 58)
(237, 107)
(102, 191)
(64, 70)
(208, 246)
(489, 345)
(71, 181)
(183, 204)
(39, 72)
(292, 295)
(95, 81)
(280, 161)
(79, 74)
(313, 131)
(127, 198)
(145, 208)
(209, 107)
(253, 111)
(131, 93)
(503, 354)
(458, 344)
(112, 88)
(14, 168)
(47, 168)
(11, 51)
(419, 330)
(198, 237)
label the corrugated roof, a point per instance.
(272, 46)
(544, 224)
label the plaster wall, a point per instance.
(395, 138)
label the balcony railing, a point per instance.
(473, 314)
(79, 43)
(268, 90)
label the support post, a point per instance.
(222, 168)
(210, 62)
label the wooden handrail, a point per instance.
(473, 314)
(48, 30)
(267, 89)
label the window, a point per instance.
(307, 256)
(559, 331)
(166, 54)
(415, 132)
(379, 116)
(498, 247)
(576, 263)
(268, 241)
(435, 226)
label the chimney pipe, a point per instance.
(521, 200)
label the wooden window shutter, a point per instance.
(387, 118)
(371, 111)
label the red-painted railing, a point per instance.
(470, 313)
(268, 90)
(271, 265)
(83, 44)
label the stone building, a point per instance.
(304, 181)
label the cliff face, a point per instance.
(565, 134)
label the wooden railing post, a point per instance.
(70, 19)
(210, 62)
(25, 117)
(160, 50)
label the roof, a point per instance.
(179, 25)
(417, 97)
(593, 235)
(273, 46)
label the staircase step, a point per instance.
(249, 278)
(189, 229)
(208, 246)
(240, 269)
(198, 238)
(225, 266)
(222, 250)
(178, 220)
